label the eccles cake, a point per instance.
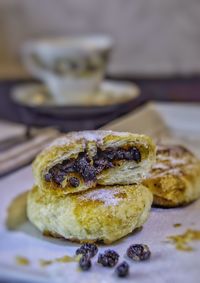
(88, 186)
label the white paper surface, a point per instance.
(166, 264)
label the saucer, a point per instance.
(109, 97)
(110, 92)
(37, 107)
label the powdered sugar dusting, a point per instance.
(86, 135)
(60, 141)
(107, 196)
(75, 136)
(174, 160)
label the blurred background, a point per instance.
(154, 38)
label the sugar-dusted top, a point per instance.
(109, 197)
(175, 160)
(88, 135)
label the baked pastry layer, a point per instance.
(102, 214)
(82, 160)
(175, 177)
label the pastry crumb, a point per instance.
(182, 241)
(63, 259)
(44, 262)
(67, 258)
(176, 225)
(20, 260)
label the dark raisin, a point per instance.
(54, 171)
(87, 249)
(81, 162)
(110, 154)
(128, 155)
(89, 173)
(136, 154)
(58, 167)
(74, 182)
(109, 165)
(58, 179)
(85, 263)
(83, 167)
(120, 154)
(122, 269)
(68, 165)
(101, 164)
(138, 252)
(108, 258)
(99, 161)
(48, 177)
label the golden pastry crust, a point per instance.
(175, 177)
(102, 214)
(70, 146)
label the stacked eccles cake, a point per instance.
(88, 186)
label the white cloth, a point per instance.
(22, 152)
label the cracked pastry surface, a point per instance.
(101, 214)
(175, 177)
(83, 160)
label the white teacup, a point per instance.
(70, 67)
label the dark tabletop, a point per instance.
(177, 89)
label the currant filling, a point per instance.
(90, 168)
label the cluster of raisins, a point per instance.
(88, 168)
(87, 251)
(109, 258)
